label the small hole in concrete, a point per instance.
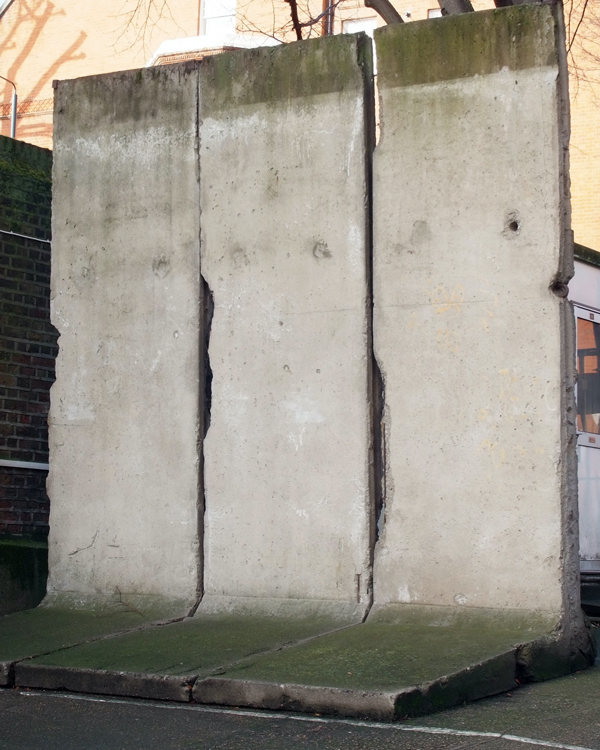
(514, 226)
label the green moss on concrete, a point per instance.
(23, 574)
(201, 644)
(276, 75)
(164, 96)
(397, 649)
(466, 45)
(44, 629)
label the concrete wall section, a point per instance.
(125, 421)
(284, 196)
(474, 348)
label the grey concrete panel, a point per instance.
(475, 352)
(125, 420)
(284, 198)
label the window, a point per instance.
(434, 13)
(218, 17)
(588, 369)
(355, 25)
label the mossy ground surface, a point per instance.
(202, 644)
(42, 630)
(398, 649)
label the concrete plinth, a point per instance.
(125, 419)
(284, 196)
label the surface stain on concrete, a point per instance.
(321, 250)
(239, 257)
(161, 265)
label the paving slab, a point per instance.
(164, 661)
(405, 661)
(47, 629)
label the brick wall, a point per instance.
(28, 342)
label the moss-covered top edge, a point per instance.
(466, 45)
(276, 75)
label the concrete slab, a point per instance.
(125, 421)
(284, 198)
(44, 630)
(163, 662)
(471, 330)
(411, 661)
(406, 661)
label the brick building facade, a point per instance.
(28, 342)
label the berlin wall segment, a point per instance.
(284, 165)
(471, 331)
(233, 198)
(125, 419)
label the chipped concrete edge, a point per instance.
(7, 673)
(104, 682)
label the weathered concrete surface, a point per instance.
(125, 420)
(163, 661)
(284, 196)
(474, 345)
(47, 629)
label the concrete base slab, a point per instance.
(195, 646)
(475, 681)
(363, 704)
(104, 682)
(45, 630)
(399, 646)
(404, 661)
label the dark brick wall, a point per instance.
(27, 339)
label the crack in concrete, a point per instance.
(82, 549)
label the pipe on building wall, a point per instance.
(13, 111)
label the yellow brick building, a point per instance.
(42, 40)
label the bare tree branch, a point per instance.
(386, 10)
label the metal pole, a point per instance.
(13, 113)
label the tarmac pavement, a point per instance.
(563, 714)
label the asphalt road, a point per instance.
(563, 714)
